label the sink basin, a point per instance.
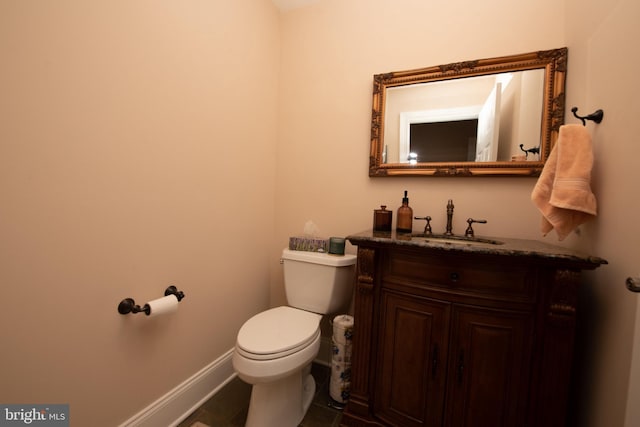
(443, 238)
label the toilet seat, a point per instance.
(277, 332)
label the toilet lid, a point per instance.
(278, 330)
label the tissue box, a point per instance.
(309, 244)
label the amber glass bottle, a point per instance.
(405, 216)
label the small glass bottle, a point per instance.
(382, 219)
(405, 216)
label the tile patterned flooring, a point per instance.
(228, 407)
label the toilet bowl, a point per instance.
(273, 344)
(274, 349)
(276, 360)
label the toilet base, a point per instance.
(281, 403)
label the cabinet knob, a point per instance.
(454, 276)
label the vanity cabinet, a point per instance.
(484, 366)
(457, 335)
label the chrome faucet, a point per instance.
(450, 207)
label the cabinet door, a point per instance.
(410, 380)
(489, 367)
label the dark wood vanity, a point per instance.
(462, 334)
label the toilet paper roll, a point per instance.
(163, 305)
(341, 352)
(342, 328)
(340, 391)
(340, 381)
(340, 372)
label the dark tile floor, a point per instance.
(228, 407)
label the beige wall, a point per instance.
(122, 125)
(332, 48)
(603, 74)
(137, 150)
(330, 51)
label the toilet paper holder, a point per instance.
(128, 305)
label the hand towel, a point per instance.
(563, 191)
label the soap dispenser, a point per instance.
(405, 216)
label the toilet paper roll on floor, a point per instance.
(164, 305)
(340, 372)
(340, 391)
(340, 381)
(341, 352)
(342, 329)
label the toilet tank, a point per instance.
(318, 282)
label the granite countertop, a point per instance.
(507, 246)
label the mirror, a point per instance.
(488, 117)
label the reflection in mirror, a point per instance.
(496, 116)
(482, 118)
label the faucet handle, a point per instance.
(427, 227)
(469, 231)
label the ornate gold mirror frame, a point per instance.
(552, 65)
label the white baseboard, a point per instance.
(172, 408)
(179, 403)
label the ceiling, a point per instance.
(285, 5)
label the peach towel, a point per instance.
(563, 191)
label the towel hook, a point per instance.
(633, 284)
(534, 150)
(596, 116)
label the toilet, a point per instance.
(274, 349)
